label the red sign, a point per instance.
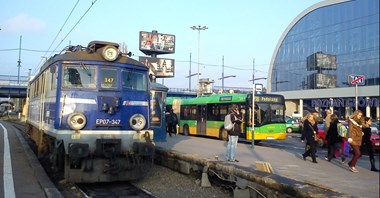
(356, 79)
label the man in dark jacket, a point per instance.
(233, 134)
(169, 122)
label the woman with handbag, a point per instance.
(310, 130)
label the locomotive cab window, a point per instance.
(79, 77)
(108, 78)
(134, 80)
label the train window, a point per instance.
(108, 78)
(134, 80)
(53, 79)
(79, 77)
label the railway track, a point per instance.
(84, 190)
(112, 190)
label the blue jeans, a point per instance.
(231, 147)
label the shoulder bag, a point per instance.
(316, 136)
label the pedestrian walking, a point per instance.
(366, 142)
(317, 120)
(175, 121)
(334, 139)
(169, 122)
(309, 132)
(326, 129)
(355, 137)
(233, 134)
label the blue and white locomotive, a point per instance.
(89, 112)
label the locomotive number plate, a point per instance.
(107, 122)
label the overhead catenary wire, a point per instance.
(92, 4)
(60, 30)
(56, 36)
(54, 50)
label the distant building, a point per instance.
(320, 49)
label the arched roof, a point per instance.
(291, 25)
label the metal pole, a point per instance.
(19, 63)
(199, 41)
(356, 96)
(223, 73)
(190, 74)
(199, 28)
(253, 105)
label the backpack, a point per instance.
(342, 130)
(228, 125)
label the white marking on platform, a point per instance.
(9, 190)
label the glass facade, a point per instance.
(327, 45)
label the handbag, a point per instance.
(316, 136)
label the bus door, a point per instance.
(201, 119)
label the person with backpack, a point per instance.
(334, 139)
(233, 134)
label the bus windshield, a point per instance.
(269, 113)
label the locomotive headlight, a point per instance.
(110, 53)
(76, 121)
(137, 122)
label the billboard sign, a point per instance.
(321, 61)
(354, 79)
(318, 81)
(156, 43)
(159, 67)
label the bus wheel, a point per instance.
(223, 134)
(289, 130)
(186, 130)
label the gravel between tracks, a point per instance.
(163, 182)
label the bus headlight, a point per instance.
(76, 121)
(137, 122)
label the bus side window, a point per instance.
(186, 112)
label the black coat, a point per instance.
(332, 133)
(236, 120)
(308, 131)
(366, 136)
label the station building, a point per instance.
(328, 58)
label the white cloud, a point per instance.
(23, 22)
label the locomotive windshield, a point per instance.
(79, 76)
(86, 77)
(109, 78)
(134, 80)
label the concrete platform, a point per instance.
(287, 167)
(22, 174)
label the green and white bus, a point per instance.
(204, 115)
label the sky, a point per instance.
(244, 32)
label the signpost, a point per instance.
(354, 79)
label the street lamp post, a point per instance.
(19, 63)
(223, 77)
(199, 28)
